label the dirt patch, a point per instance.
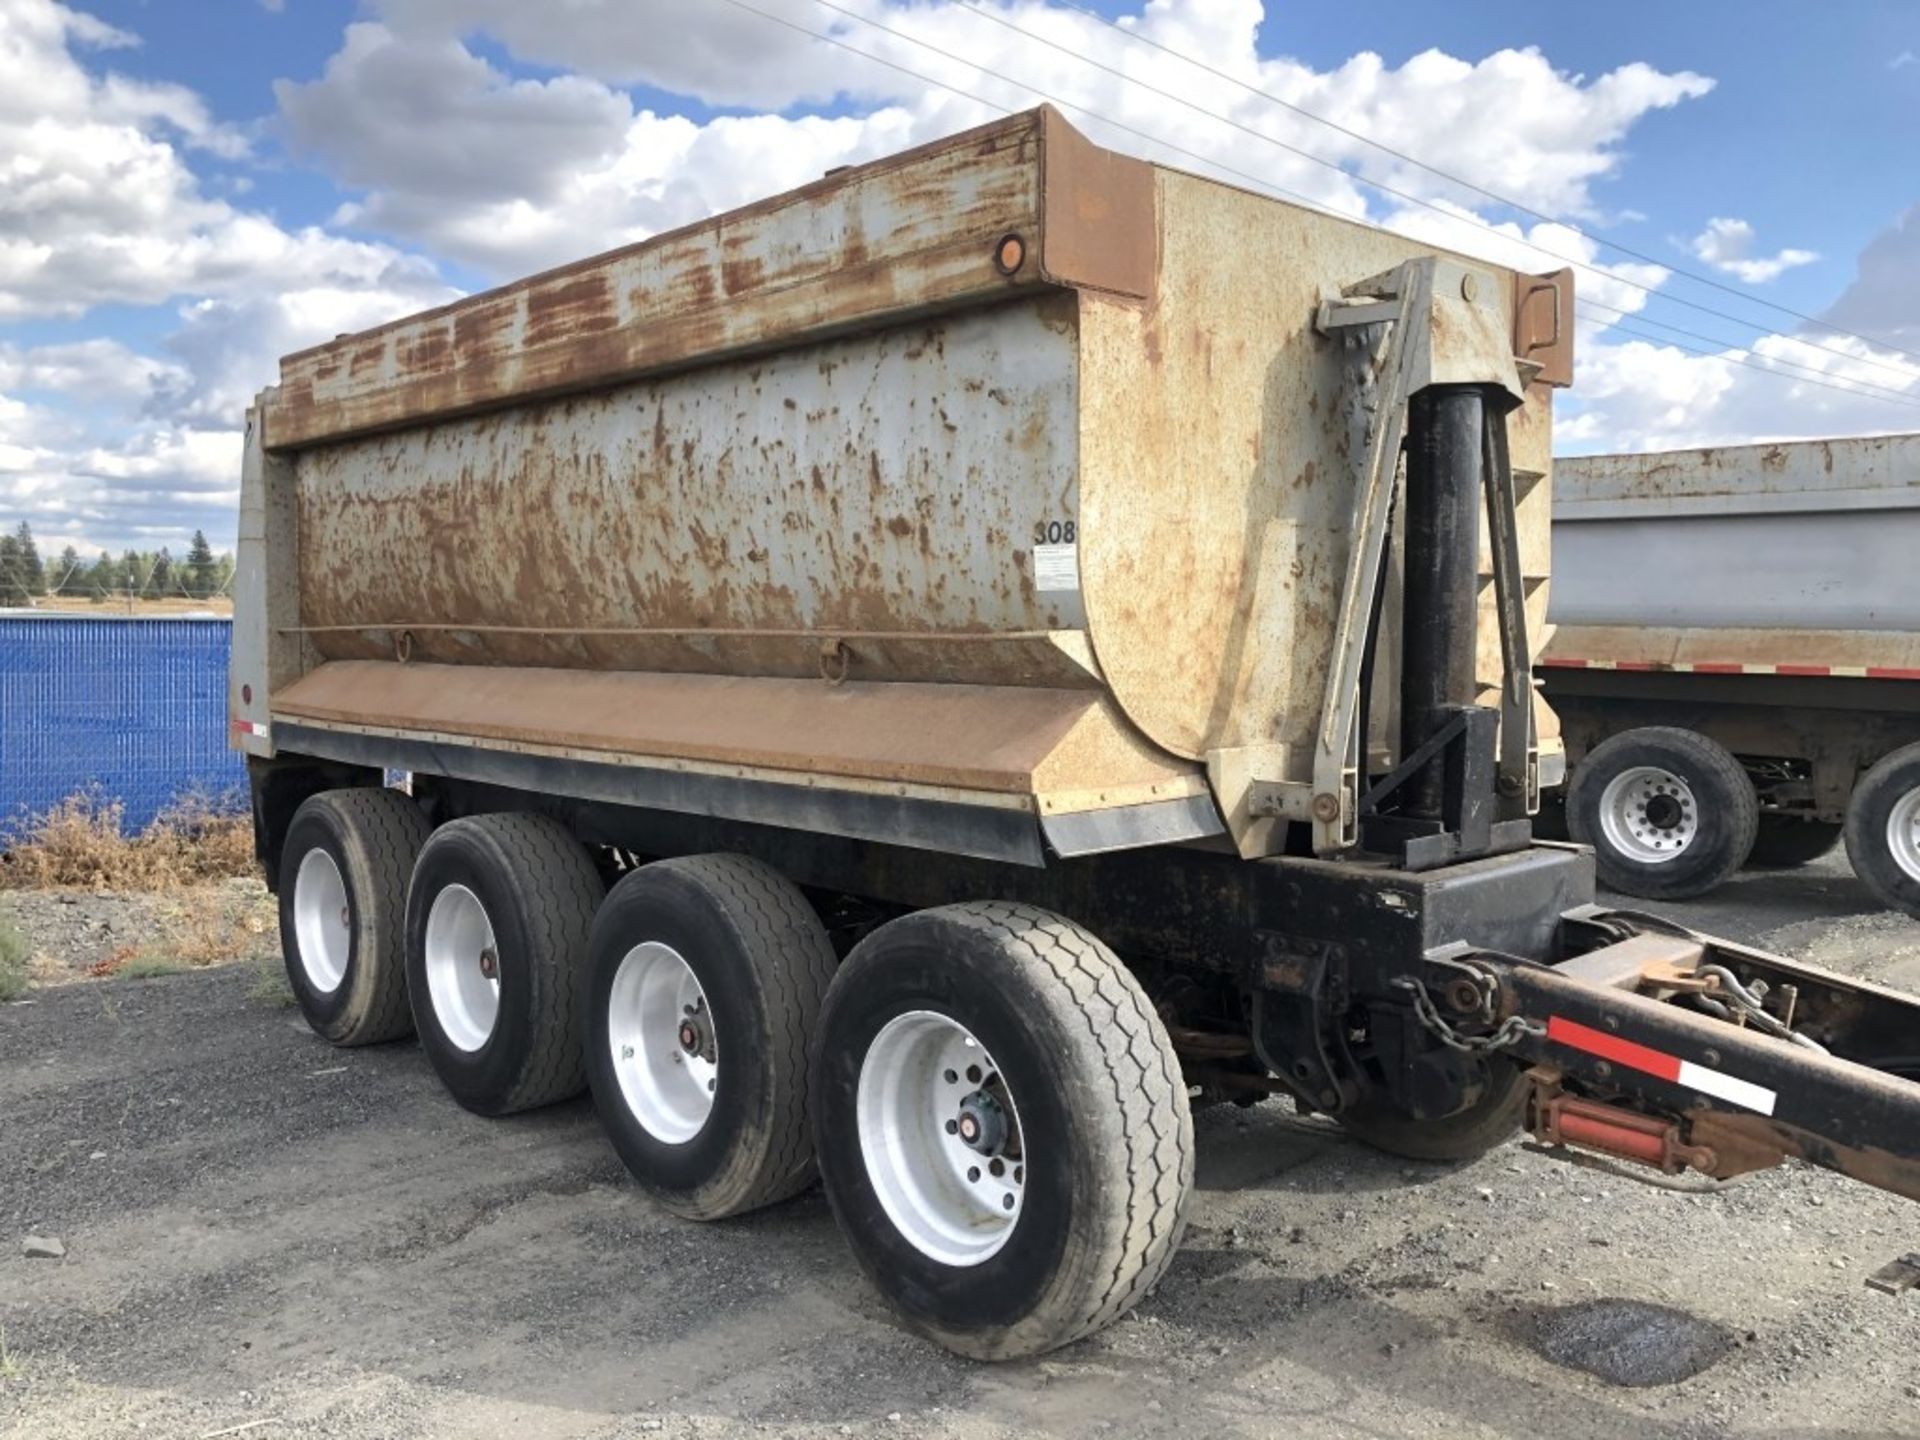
(74, 935)
(1629, 1342)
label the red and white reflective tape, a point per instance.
(1661, 1065)
(1729, 667)
(251, 728)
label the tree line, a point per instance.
(26, 578)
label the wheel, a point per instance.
(1883, 830)
(1669, 813)
(1489, 1121)
(1784, 841)
(343, 906)
(497, 921)
(1002, 1127)
(705, 979)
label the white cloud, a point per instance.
(1903, 59)
(510, 176)
(1727, 245)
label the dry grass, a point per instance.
(208, 931)
(13, 960)
(81, 844)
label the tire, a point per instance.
(736, 941)
(1486, 1123)
(514, 894)
(1785, 841)
(1883, 830)
(343, 907)
(1628, 789)
(1094, 1112)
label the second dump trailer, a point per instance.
(927, 678)
(1736, 660)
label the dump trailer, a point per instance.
(923, 680)
(1736, 660)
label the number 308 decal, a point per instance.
(1053, 532)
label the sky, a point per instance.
(191, 188)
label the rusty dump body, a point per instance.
(1008, 473)
(1006, 521)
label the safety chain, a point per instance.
(1512, 1031)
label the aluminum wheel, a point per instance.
(660, 1030)
(940, 1136)
(463, 967)
(322, 920)
(1648, 814)
(1903, 833)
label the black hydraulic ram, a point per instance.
(1652, 1044)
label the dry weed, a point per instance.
(209, 931)
(82, 844)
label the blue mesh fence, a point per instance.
(132, 710)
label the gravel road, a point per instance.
(267, 1237)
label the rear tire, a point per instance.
(706, 979)
(1785, 841)
(343, 906)
(1883, 830)
(1066, 1199)
(497, 921)
(1669, 813)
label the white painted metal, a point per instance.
(322, 921)
(1903, 833)
(1648, 814)
(655, 1006)
(463, 967)
(922, 1078)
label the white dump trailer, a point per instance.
(925, 679)
(1737, 660)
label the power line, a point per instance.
(1465, 218)
(1908, 396)
(1766, 369)
(1211, 163)
(1453, 179)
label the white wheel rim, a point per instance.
(322, 921)
(1903, 833)
(660, 1033)
(463, 967)
(924, 1078)
(1648, 814)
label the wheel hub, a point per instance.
(661, 1032)
(1648, 815)
(982, 1124)
(940, 1138)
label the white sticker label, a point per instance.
(1056, 567)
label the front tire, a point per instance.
(706, 978)
(1669, 813)
(343, 905)
(1002, 1127)
(1883, 830)
(497, 921)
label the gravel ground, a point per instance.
(267, 1237)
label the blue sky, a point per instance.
(257, 177)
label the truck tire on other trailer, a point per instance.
(705, 979)
(1002, 1127)
(497, 921)
(1785, 841)
(1669, 813)
(343, 908)
(1883, 830)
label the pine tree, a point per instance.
(104, 578)
(13, 585)
(133, 573)
(69, 575)
(161, 579)
(33, 574)
(200, 567)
